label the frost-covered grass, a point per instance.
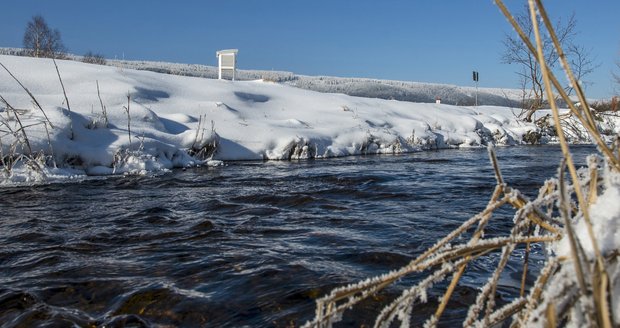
(575, 218)
(553, 219)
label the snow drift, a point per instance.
(122, 120)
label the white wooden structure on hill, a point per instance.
(227, 61)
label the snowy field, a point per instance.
(171, 117)
(361, 87)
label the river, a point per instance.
(245, 244)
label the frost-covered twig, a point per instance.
(19, 122)
(401, 307)
(588, 122)
(29, 94)
(64, 92)
(128, 117)
(573, 241)
(453, 258)
(103, 109)
(557, 296)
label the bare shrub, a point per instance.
(530, 71)
(92, 58)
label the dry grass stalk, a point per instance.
(199, 132)
(534, 223)
(29, 94)
(517, 200)
(588, 122)
(593, 189)
(525, 264)
(537, 290)
(126, 108)
(18, 131)
(551, 316)
(34, 160)
(49, 144)
(442, 254)
(507, 311)
(8, 160)
(103, 109)
(64, 92)
(21, 130)
(574, 242)
(451, 259)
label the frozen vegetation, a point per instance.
(577, 286)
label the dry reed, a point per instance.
(64, 92)
(103, 109)
(535, 222)
(126, 108)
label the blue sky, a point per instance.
(425, 41)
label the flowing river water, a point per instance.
(245, 244)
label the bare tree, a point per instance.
(530, 75)
(616, 76)
(41, 41)
(582, 64)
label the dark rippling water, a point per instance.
(247, 244)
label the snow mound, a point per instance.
(166, 121)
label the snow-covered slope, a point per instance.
(170, 115)
(361, 87)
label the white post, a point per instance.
(219, 65)
(234, 67)
(475, 78)
(476, 93)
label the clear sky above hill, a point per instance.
(425, 41)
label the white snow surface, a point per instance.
(605, 218)
(246, 120)
(563, 285)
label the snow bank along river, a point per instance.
(121, 120)
(250, 243)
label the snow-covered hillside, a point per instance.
(361, 87)
(409, 91)
(172, 117)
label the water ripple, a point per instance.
(247, 244)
